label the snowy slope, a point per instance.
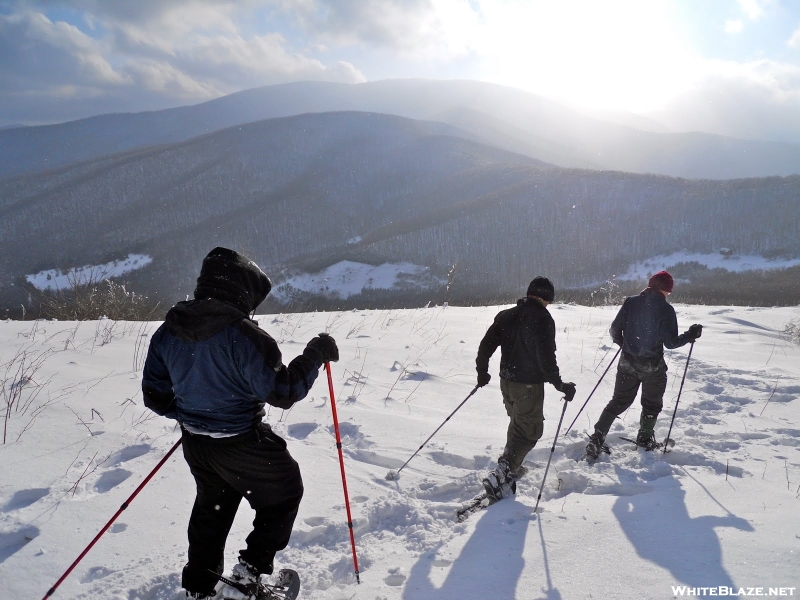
(720, 510)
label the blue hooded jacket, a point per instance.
(211, 367)
(645, 324)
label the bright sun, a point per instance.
(606, 55)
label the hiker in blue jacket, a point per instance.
(644, 325)
(210, 367)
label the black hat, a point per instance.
(542, 287)
(232, 278)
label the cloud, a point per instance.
(754, 9)
(176, 16)
(235, 62)
(41, 55)
(441, 30)
(158, 53)
(734, 26)
(794, 40)
(754, 100)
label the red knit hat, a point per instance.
(661, 281)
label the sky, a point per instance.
(726, 65)
(718, 511)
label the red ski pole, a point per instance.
(125, 504)
(341, 465)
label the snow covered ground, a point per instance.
(56, 279)
(720, 511)
(348, 278)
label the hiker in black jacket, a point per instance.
(644, 325)
(210, 367)
(526, 335)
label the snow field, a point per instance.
(719, 510)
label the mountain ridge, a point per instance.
(498, 115)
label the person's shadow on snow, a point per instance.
(490, 564)
(661, 530)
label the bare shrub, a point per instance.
(92, 300)
(608, 294)
(20, 388)
(793, 329)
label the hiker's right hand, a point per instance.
(568, 389)
(483, 379)
(326, 346)
(695, 331)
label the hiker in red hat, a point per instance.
(644, 325)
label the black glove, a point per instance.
(326, 346)
(568, 389)
(483, 379)
(695, 331)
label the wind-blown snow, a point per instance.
(56, 279)
(348, 278)
(720, 510)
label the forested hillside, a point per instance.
(308, 191)
(586, 225)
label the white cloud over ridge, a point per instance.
(61, 53)
(626, 55)
(141, 55)
(441, 30)
(754, 100)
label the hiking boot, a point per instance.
(247, 578)
(499, 483)
(595, 445)
(647, 439)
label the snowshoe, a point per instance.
(245, 584)
(647, 440)
(596, 445)
(286, 586)
(478, 503)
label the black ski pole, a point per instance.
(391, 475)
(114, 518)
(595, 387)
(674, 412)
(552, 450)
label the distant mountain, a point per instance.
(505, 117)
(302, 193)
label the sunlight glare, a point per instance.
(622, 55)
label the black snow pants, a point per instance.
(255, 466)
(631, 373)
